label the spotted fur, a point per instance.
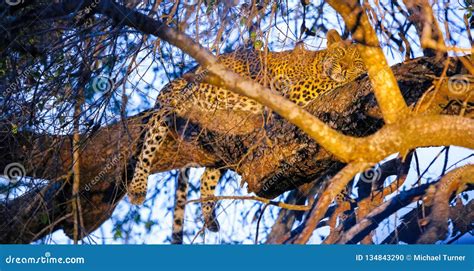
(181, 197)
(155, 136)
(209, 181)
(298, 74)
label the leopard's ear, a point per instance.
(299, 46)
(333, 37)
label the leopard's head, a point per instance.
(342, 62)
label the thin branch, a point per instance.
(430, 131)
(337, 184)
(258, 222)
(264, 200)
(372, 220)
(453, 182)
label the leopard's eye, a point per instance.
(337, 73)
(336, 69)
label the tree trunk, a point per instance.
(274, 159)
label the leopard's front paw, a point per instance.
(136, 198)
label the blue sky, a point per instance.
(236, 227)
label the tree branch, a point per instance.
(453, 182)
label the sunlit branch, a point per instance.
(385, 85)
(344, 147)
(377, 215)
(336, 185)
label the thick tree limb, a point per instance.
(344, 147)
(289, 159)
(351, 109)
(385, 86)
(105, 170)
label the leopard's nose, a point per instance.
(345, 64)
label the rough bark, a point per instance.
(286, 159)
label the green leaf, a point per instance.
(137, 218)
(117, 234)
(14, 129)
(148, 225)
(44, 218)
(253, 35)
(62, 119)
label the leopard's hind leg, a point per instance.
(155, 136)
(209, 181)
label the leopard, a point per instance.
(181, 196)
(209, 181)
(298, 74)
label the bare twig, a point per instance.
(336, 185)
(264, 200)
